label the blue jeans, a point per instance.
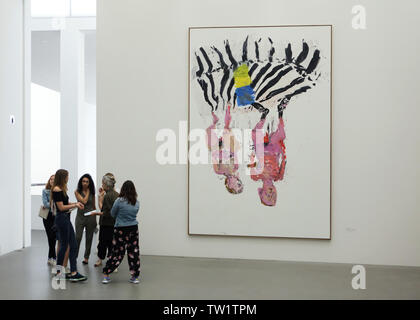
(67, 238)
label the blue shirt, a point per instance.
(46, 198)
(125, 213)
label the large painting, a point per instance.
(260, 99)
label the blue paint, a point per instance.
(245, 96)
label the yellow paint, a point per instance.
(241, 76)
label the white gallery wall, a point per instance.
(11, 135)
(142, 86)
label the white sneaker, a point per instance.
(67, 270)
(52, 262)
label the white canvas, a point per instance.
(302, 209)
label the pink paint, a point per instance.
(224, 160)
(268, 169)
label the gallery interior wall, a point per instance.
(11, 136)
(142, 86)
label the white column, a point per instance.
(27, 210)
(71, 70)
(87, 124)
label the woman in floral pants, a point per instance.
(126, 233)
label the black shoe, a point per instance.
(77, 277)
(67, 275)
(85, 262)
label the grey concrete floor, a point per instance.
(24, 274)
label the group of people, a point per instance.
(118, 225)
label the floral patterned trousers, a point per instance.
(125, 239)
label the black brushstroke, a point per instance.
(271, 52)
(264, 111)
(215, 98)
(206, 57)
(262, 71)
(245, 50)
(222, 61)
(224, 80)
(257, 51)
(229, 53)
(314, 62)
(229, 90)
(204, 87)
(253, 68)
(288, 52)
(270, 74)
(304, 53)
(299, 91)
(258, 106)
(281, 90)
(273, 81)
(200, 67)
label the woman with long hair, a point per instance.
(85, 194)
(126, 233)
(64, 226)
(49, 222)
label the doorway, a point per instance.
(62, 85)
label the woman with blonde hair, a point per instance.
(64, 227)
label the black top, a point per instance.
(59, 196)
(106, 219)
